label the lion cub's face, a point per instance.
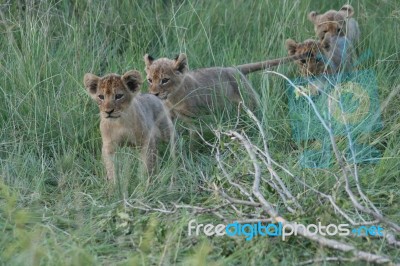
(333, 22)
(112, 92)
(314, 63)
(165, 75)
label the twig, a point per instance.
(241, 189)
(257, 176)
(315, 261)
(237, 201)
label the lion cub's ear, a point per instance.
(148, 59)
(312, 16)
(91, 82)
(291, 46)
(347, 10)
(181, 63)
(132, 80)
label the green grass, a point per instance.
(55, 206)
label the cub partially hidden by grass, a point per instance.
(338, 33)
(334, 54)
(129, 117)
(338, 23)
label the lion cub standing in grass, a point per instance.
(127, 116)
(338, 33)
(338, 23)
(331, 55)
(190, 94)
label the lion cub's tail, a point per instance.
(252, 67)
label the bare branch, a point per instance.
(268, 207)
(315, 261)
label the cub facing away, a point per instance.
(189, 94)
(128, 117)
(337, 23)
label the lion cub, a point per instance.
(190, 94)
(128, 117)
(334, 54)
(338, 23)
(313, 64)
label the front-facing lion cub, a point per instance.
(128, 117)
(337, 23)
(332, 55)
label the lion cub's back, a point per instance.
(214, 75)
(341, 53)
(227, 79)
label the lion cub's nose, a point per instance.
(110, 112)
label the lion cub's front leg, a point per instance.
(108, 151)
(149, 155)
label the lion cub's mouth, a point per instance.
(112, 117)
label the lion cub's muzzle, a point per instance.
(111, 114)
(161, 96)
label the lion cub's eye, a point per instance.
(118, 96)
(101, 97)
(149, 81)
(164, 81)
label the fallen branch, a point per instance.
(269, 209)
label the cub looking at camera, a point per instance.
(128, 117)
(337, 23)
(331, 55)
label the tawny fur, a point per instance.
(189, 94)
(334, 54)
(338, 23)
(128, 117)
